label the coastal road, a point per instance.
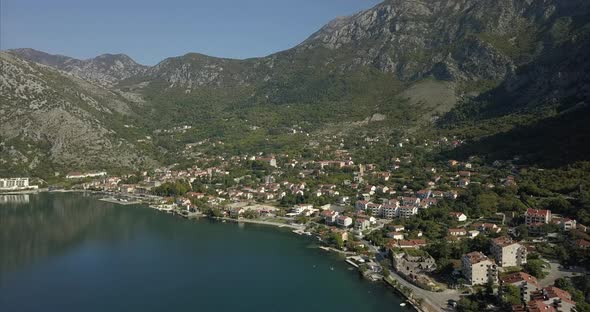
(277, 224)
(437, 301)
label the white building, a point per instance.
(12, 184)
(80, 175)
(533, 216)
(344, 221)
(389, 211)
(507, 252)
(479, 269)
(406, 212)
(459, 216)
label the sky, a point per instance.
(152, 30)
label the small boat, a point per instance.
(403, 304)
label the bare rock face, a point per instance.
(106, 69)
(450, 39)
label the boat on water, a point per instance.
(403, 304)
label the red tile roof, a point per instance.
(538, 212)
(520, 277)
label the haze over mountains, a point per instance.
(484, 66)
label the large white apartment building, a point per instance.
(479, 269)
(507, 252)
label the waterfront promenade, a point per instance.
(277, 224)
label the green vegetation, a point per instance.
(579, 288)
(177, 188)
(535, 267)
(511, 295)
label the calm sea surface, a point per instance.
(71, 252)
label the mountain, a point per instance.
(51, 120)
(480, 68)
(105, 69)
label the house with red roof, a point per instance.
(526, 283)
(537, 216)
(329, 216)
(557, 298)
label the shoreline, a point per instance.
(262, 222)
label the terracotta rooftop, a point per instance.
(520, 277)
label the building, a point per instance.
(271, 161)
(362, 224)
(236, 212)
(80, 175)
(299, 209)
(410, 201)
(533, 216)
(389, 211)
(344, 221)
(534, 306)
(472, 234)
(411, 243)
(406, 212)
(329, 216)
(568, 224)
(457, 232)
(526, 283)
(459, 216)
(414, 265)
(479, 269)
(395, 235)
(507, 252)
(557, 298)
(374, 209)
(12, 184)
(487, 227)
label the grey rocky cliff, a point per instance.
(105, 69)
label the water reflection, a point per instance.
(42, 225)
(14, 199)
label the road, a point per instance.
(277, 224)
(557, 271)
(437, 301)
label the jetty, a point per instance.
(120, 201)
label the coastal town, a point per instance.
(407, 225)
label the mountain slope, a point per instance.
(540, 106)
(508, 63)
(48, 118)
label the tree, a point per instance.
(535, 268)
(337, 239)
(523, 231)
(511, 295)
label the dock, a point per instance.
(119, 201)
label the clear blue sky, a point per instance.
(151, 30)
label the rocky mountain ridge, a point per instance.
(495, 57)
(106, 69)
